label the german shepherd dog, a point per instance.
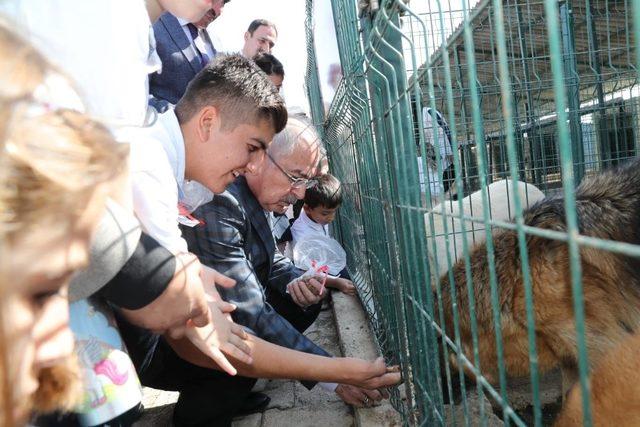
(614, 390)
(608, 207)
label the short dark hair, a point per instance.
(269, 64)
(238, 88)
(259, 23)
(326, 193)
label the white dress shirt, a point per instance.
(201, 41)
(157, 176)
(304, 227)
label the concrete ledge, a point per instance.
(356, 340)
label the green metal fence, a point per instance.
(542, 92)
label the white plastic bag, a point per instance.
(318, 272)
(320, 251)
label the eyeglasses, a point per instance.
(296, 183)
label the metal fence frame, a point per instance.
(372, 142)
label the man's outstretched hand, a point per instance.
(221, 337)
(360, 397)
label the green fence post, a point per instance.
(385, 131)
(604, 147)
(471, 181)
(314, 94)
(573, 88)
(534, 151)
(568, 183)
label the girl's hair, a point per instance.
(51, 161)
(50, 164)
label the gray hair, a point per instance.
(298, 130)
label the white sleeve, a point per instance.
(155, 195)
(297, 231)
(328, 386)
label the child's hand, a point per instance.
(343, 285)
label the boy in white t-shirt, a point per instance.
(320, 205)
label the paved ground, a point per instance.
(291, 403)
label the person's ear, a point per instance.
(246, 35)
(208, 122)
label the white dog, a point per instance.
(501, 203)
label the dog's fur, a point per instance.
(608, 207)
(615, 390)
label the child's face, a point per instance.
(321, 214)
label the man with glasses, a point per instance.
(236, 239)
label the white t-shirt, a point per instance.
(304, 227)
(157, 174)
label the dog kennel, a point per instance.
(537, 95)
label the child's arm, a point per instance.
(343, 285)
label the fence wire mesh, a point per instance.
(453, 117)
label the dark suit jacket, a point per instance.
(236, 240)
(180, 62)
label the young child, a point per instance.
(320, 205)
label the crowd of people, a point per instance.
(142, 172)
